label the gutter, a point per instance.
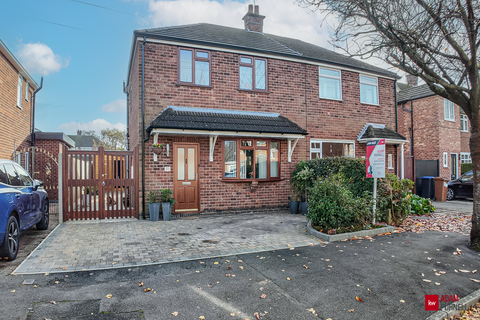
(32, 135)
(143, 127)
(128, 131)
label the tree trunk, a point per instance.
(475, 153)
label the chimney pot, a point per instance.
(250, 8)
(257, 10)
(412, 80)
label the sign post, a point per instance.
(375, 166)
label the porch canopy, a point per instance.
(222, 122)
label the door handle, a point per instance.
(103, 183)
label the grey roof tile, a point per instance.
(220, 36)
(205, 119)
(414, 93)
(373, 132)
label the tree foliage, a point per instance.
(436, 40)
(110, 138)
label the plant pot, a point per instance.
(154, 211)
(166, 210)
(293, 206)
(304, 208)
(157, 150)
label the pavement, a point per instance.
(453, 207)
(80, 246)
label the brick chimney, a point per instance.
(412, 80)
(253, 20)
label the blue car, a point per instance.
(23, 203)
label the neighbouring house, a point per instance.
(438, 132)
(85, 142)
(16, 108)
(236, 109)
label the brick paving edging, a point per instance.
(468, 301)
(348, 235)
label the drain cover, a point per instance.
(28, 281)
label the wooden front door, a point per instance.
(185, 177)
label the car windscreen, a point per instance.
(13, 176)
(3, 175)
(467, 177)
(26, 180)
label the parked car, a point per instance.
(461, 187)
(23, 203)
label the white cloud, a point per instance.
(97, 125)
(119, 105)
(283, 17)
(38, 58)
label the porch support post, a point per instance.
(402, 168)
(213, 140)
(291, 148)
(60, 184)
(155, 141)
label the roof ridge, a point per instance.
(172, 27)
(298, 53)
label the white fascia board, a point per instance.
(387, 141)
(225, 133)
(13, 60)
(264, 55)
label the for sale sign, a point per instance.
(376, 159)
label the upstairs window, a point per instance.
(368, 90)
(463, 123)
(194, 67)
(19, 91)
(26, 92)
(252, 74)
(329, 83)
(448, 110)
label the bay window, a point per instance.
(326, 149)
(258, 159)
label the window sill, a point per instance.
(254, 91)
(463, 131)
(250, 181)
(450, 120)
(370, 104)
(181, 84)
(339, 100)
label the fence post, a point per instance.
(60, 186)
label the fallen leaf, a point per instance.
(289, 245)
(426, 280)
(148, 289)
(232, 314)
(474, 271)
(311, 310)
(437, 283)
(256, 315)
(175, 313)
(64, 268)
(263, 296)
(201, 318)
(12, 291)
(402, 301)
(305, 266)
(57, 282)
(465, 271)
(108, 296)
(34, 285)
(288, 279)
(475, 280)
(140, 284)
(53, 302)
(351, 310)
(215, 262)
(227, 275)
(229, 267)
(358, 299)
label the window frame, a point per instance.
(445, 159)
(469, 157)
(449, 104)
(252, 65)
(320, 150)
(463, 123)
(19, 91)
(194, 58)
(339, 78)
(27, 88)
(360, 89)
(254, 147)
(390, 161)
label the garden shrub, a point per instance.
(419, 205)
(393, 194)
(332, 205)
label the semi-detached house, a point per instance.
(236, 109)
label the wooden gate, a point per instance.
(100, 184)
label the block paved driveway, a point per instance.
(82, 246)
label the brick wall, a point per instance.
(433, 135)
(293, 92)
(15, 122)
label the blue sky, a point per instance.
(84, 69)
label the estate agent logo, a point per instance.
(431, 302)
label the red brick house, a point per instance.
(437, 129)
(236, 109)
(16, 105)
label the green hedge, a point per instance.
(466, 167)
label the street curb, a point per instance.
(466, 302)
(349, 235)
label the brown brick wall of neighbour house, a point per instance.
(292, 91)
(433, 135)
(14, 121)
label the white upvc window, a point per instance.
(331, 148)
(26, 92)
(390, 161)
(26, 161)
(463, 123)
(330, 84)
(368, 90)
(445, 160)
(465, 157)
(448, 110)
(19, 91)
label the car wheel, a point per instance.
(450, 194)
(9, 248)
(43, 224)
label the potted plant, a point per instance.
(157, 148)
(293, 203)
(153, 206)
(167, 201)
(304, 176)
